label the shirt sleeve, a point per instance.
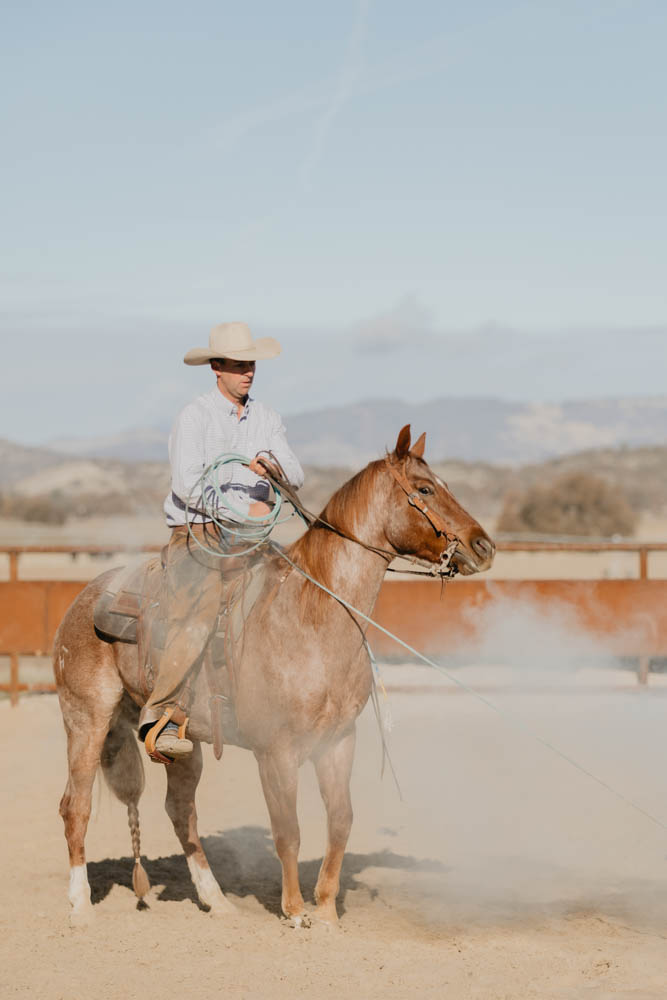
(187, 456)
(280, 448)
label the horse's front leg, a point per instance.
(182, 780)
(278, 770)
(334, 768)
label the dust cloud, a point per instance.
(495, 827)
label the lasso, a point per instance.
(246, 527)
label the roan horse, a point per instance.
(303, 676)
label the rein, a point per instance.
(442, 569)
(254, 531)
(509, 718)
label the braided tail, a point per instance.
(123, 770)
(140, 881)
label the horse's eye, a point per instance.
(426, 490)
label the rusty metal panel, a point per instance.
(30, 612)
(630, 615)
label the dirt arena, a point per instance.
(503, 873)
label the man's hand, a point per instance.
(260, 466)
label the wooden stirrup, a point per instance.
(154, 732)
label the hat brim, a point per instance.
(262, 350)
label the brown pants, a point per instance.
(190, 599)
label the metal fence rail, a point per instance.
(629, 614)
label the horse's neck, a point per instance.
(356, 573)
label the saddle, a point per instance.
(132, 599)
(117, 610)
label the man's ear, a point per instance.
(419, 445)
(403, 443)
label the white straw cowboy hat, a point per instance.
(233, 341)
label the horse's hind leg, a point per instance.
(279, 772)
(87, 724)
(334, 767)
(182, 780)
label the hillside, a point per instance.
(474, 430)
(42, 481)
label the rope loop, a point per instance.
(210, 499)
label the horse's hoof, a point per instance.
(326, 916)
(300, 921)
(83, 916)
(222, 908)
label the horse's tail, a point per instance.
(123, 770)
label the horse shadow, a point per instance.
(244, 862)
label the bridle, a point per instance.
(442, 569)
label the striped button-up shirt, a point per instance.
(204, 430)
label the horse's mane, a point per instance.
(314, 551)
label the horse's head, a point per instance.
(424, 517)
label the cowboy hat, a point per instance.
(233, 341)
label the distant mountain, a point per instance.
(18, 461)
(143, 444)
(476, 430)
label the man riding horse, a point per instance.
(226, 419)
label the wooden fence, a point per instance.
(628, 615)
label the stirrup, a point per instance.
(154, 732)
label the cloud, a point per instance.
(408, 324)
(347, 77)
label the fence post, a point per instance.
(14, 679)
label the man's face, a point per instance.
(234, 378)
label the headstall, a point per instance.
(444, 567)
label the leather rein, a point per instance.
(443, 569)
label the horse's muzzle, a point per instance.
(477, 557)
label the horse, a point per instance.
(302, 678)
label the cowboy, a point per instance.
(225, 420)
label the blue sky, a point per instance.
(326, 170)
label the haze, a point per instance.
(420, 201)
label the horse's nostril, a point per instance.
(483, 546)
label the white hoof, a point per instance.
(82, 918)
(79, 896)
(300, 921)
(208, 891)
(221, 908)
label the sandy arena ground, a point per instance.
(504, 873)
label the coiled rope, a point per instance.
(213, 500)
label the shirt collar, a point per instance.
(230, 408)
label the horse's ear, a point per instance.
(403, 443)
(418, 447)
